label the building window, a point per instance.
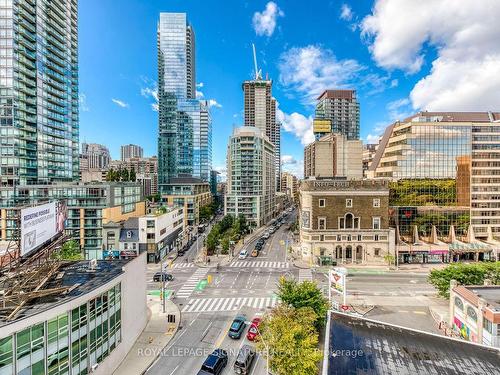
(376, 237)
(348, 203)
(487, 325)
(459, 304)
(150, 223)
(321, 203)
(377, 252)
(150, 236)
(349, 222)
(376, 222)
(359, 237)
(376, 202)
(322, 223)
(471, 313)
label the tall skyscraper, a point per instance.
(97, 155)
(38, 92)
(251, 176)
(260, 111)
(131, 151)
(185, 140)
(337, 111)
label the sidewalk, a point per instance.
(153, 339)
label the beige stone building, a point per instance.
(345, 221)
(333, 155)
(289, 185)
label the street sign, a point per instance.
(337, 282)
(344, 307)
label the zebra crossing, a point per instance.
(183, 265)
(189, 286)
(205, 305)
(258, 264)
(305, 275)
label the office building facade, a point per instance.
(337, 111)
(146, 172)
(251, 176)
(289, 185)
(441, 160)
(260, 112)
(333, 155)
(131, 151)
(38, 92)
(185, 129)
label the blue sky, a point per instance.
(400, 58)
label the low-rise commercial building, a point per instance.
(191, 194)
(334, 155)
(88, 327)
(157, 234)
(89, 207)
(475, 313)
(345, 221)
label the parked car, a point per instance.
(255, 253)
(266, 235)
(253, 331)
(243, 254)
(215, 363)
(237, 327)
(244, 360)
(261, 241)
(162, 276)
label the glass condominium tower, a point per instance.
(38, 92)
(184, 138)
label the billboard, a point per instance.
(337, 283)
(322, 126)
(40, 224)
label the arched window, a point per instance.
(459, 304)
(338, 252)
(471, 313)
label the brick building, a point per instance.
(345, 221)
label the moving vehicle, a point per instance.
(266, 235)
(255, 252)
(202, 227)
(237, 327)
(253, 331)
(261, 241)
(162, 276)
(244, 360)
(215, 363)
(243, 254)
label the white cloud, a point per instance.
(120, 103)
(200, 85)
(465, 35)
(213, 103)
(346, 12)
(150, 92)
(399, 109)
(288, 159)
(82, 101)
(310, 70)
(222, 169)
(264, 22)
(372, 139)
(297, 124)
(199, 94)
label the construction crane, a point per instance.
(258, 73)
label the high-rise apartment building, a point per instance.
(251, 176)
(333, 155)
(38, 92)
(260, 111)
(289, 185)
(441, 160)
(146, 172)
(185, 139)
(131, 151)
(97, 156)
(337, 111)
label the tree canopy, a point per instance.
(70, 250)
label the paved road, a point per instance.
(243, 287)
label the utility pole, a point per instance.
(163, 286)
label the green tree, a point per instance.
(390, 259)
(289, 338)
(132, 177)
(124, 175)
(305, 294)
(464, 274)
(226, 243)
(213, 238)
(70, 250)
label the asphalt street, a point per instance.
(243, 287)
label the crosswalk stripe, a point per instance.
(183, 265)
(187, 289)
(259, 264)
(229, 304)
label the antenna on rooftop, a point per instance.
(258, 73)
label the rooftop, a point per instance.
(362, 346)
(78, 277)
(338, 94)
(457, 116)
(340, 184)
(490, 293)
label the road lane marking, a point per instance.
(175, 369)
(305, 275)
(216, 304)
